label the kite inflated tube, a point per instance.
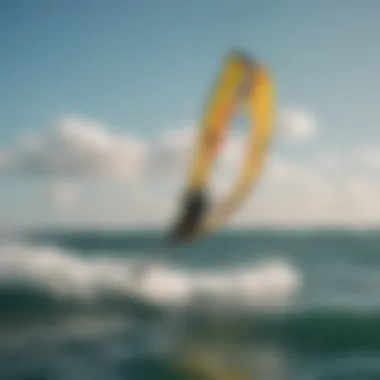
(245, 84)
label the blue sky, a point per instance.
(145, 66)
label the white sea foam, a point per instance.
(66, 274)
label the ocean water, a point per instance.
(299, 305)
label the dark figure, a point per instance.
(193, 210)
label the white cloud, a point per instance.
(76, 147)
(169, 156)
(296, 193)
(368, 156)
(319, 189)
(328, 161)
(297, 124)
(64, 193)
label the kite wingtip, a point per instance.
(242, 55)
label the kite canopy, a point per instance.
(243, 84)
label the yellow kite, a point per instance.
(243, 84)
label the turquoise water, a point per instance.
(296, 304)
